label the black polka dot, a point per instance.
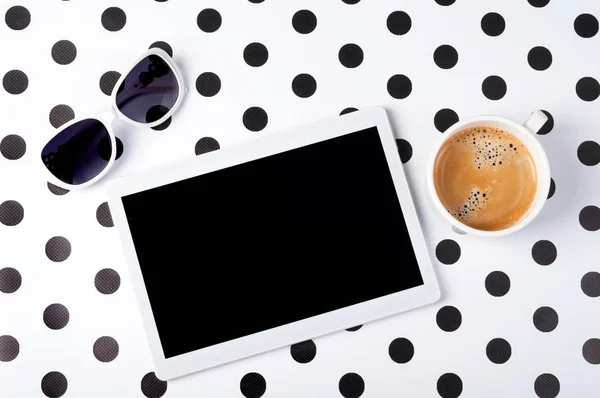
(494, 87)
(552, 189)
(493, 24)
(163, 45)
(591, 351)
(54, 384)
(548, 126)
(351, 385)
(58, 249)
(208, 84)
(10, 280)
(544, 252)
(57, 190)
(255, 118)
(106, 349)
(347, 110)
(448, 318)
(586, 25)
(119, 148)
(64, 52)
(107, 281)
(256, 54)
(588, 89)
(206, 144)
(539, 3)
(404, 149)
(497, 283)
(539, 58)
(399, 86)
(589, 218)
(108, 80)
(444, 118)
(13, 147)
(9, 348)
(354, 328)
(589, 153)
(113, 19)
(304, 352)
(60, 115)
(253, 385)
(56, 316)
(209, 20)
(351, 2)
(449, 385)
(152, 386)
(304, 85)
(445, 56)
(351, 55)
(163, 125)
(103, 215)
(401, 350)
(445, 2)
(546, 386)
(256, 1)
(399, 23)
(545, 319)
(304, 21)
(447, 251)
(17, 17)
(590, 284)
(15, 82)
(11, 213)
(498, 351)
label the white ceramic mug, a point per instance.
(524, 132)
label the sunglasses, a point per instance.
(85, 149)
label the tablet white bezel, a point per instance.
(168, 368)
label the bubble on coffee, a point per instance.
(482, 176)
(474, 202)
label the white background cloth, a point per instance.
(27, 247)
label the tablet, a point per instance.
(272, 242)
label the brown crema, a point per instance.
(486, 178)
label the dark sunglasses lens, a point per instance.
(149, 91)
(79, 152)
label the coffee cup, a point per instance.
(473, 133)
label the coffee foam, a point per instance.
(490, 146)
(491, 149)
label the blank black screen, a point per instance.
(272, 241)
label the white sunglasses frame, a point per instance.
(113, 113)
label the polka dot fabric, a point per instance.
(257, 67)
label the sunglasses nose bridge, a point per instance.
(110, 114)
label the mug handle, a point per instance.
(536, 121)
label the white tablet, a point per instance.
(272, 242)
